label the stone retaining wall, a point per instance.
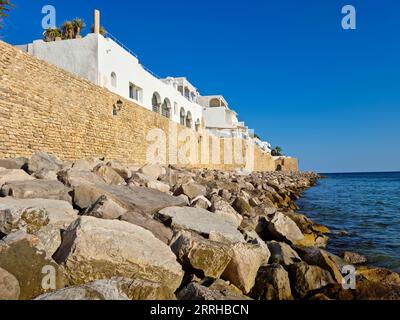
(44, 108)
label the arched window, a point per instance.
(113, 79)
(156, 102)
(215, 103)
(182, 116)
(166, 108)
(197, 125)
(189, 120)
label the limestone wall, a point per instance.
(43, 108)
(286, 164)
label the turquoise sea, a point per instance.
(367, 207)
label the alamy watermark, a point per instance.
(349, 21)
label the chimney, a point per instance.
(96, 21)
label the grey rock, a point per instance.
(195, 252)
(284, 228)
(37, 189)
(105, 208)
(198, 292)
(243, 267)
(73, 177)
(354, 258)
(13, 163)
(109, 175)
(9, 286)
(158, 185)
(222, 207)
(44, 161)
(306, 278)
(200, 221)
(192, 190)
(145, 221)
(23, 256)
(11, 175)
(136, 199)
(272, 283)
(95, 249)
(153, 171)
(282, 253)
(112, 289)
(242, 206)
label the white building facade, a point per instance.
(104, 62)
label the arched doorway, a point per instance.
(156, 102)
(189, 120)
(166, 108)
(182, 116)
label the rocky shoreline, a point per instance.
(99, 230)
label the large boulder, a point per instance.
(284, 228)
(109, 175)
(13, 213)
(37, 189)
(9, 286)
(192, 190)
(113, 289)
(13, 163)
(353, 258)
(10, 175)
(159, 230)
(136, 199)
(365, 290)
(243, 267)
(200, 221)
(23, 256)
(74, 177)
(242, 206)
(222, 207)
(153, 171)
(272, 283)
(198, 292)
(94, 249)
(119, 168)
(158, 185)
(41, 217)
(380, 275)
(44, 161)
(325, 260)
(306, 278)
(105, 208)
(199, 254)
(282, 253)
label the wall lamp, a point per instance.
(117, 107)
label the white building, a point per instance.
(220, 120)
(106, 63)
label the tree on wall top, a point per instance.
(5, 7)
(277, 152)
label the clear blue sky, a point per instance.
(329, 97)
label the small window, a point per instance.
(135, 92)
(114, 79)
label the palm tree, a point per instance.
(67, 30)
(5, 7)
(277, 152)
(103, 31)
(51, 34)
(78, 25)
